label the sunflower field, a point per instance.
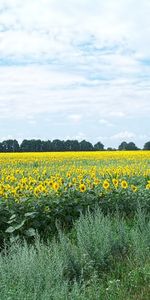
(40, 192)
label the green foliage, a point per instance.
(147, 146)
(9, 146)
(59, 145)
(100, 259)
(98, 146)
(44, 215)
(127, 146)
(101, 239)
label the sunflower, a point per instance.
(68, 174)
(55, 186)
(74, 180)
(50, 183)
(106, 185)
(124, 184)
(133, 188)
(148, 186)
(82, 187)
(115, 182)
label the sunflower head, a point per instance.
(148, 186)
(55, 186)
(133, 188)
(82, 187)
(124, 184)
(106, 184)
(115, 182)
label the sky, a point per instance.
(75, 69)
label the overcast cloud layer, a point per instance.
(75, 69)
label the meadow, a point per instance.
(75, 225)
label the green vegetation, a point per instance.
(24, 219)
(75, 226)
(61, 145)
(102, 257)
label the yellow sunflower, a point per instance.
(55, 186)
(133, 188)
(124, 184)
(115, 182)
(148, 186)
(82, 187)
(106, 184)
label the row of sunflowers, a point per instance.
(42, 174)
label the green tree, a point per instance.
(46, 146)
(111, 149)
(1, 147)
(98, 146)
(72, 145)
(58, 145)
(86, 146)
(31, 146)
(131, 146)
(127, 146)
(123, 146)
(10, 146)
(147, 146)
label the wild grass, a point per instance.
(103, 257)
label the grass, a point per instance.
(103, 257)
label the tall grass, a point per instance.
(103, 258)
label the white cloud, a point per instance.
(75, 57)
(123, 135)
(79, 136)
(106, 122)
(144, 137)
(7, 137)
(117, 114)
(32, 90)
(76, 118)
(52, 28)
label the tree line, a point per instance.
(61, 145)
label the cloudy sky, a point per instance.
(77, 69)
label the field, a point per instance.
(38, 189)
(75, 225)
(38, 174)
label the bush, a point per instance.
(103, 258)
(24, 219)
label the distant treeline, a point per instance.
(59, 145)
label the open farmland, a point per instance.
(38, 189)
(76, 225)
(25, 175)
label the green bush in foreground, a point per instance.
(24, 219)
(103, 257)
